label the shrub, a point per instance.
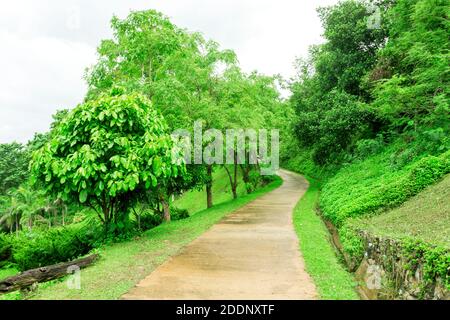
(368, 187)
(33, 250)
(179, 214)
(403, 158)
(434, 140)
(352, 243)
(265, 179)
(5, 249)
(435, 260)
(369, 147)
(421, 142)
(149, 220)
(300, 161)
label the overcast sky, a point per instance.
(46, 45)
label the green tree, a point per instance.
(14, 160)
(175, 69)
(412, 77)
(106, 153)
(29, 203)
(331, 93)
(351, 47)
(10, 216)
(248, 101)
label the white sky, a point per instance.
(46, 45)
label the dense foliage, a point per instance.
(373, 93)
(373, 184)
(106, 153)
(14, 160)
(413, 72)
(372, 115)
(188, 79)
(364, 82)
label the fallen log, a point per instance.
(30, 277)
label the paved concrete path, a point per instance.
(251, 254)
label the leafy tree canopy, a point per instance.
(106, 153)
(330, 91)
(413, 70)
(14, 160)
(172, 67)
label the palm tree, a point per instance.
(11, 216)
(28, 204)
(60, 206)
(24, 206)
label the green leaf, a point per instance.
(175, 171)
(157, 166)
(154, 181)
(83, 196)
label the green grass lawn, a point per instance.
(425, 217)
(122, 265)
(332, 280)
(195, 200)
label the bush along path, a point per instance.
(251, 254)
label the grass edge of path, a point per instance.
(123, 265)
(332, 280)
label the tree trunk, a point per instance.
(235, 196)
(166, 210)
(234, 186)
(28, 278)
(17, 225)
(233, 181)
(246, 178)
(209, 195)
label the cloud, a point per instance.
(47, 44)
(39, 76)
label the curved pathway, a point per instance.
(251, 254)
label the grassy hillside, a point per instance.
(378, 183)
(375, 185)
(425, 217)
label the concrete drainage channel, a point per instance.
(335, 240)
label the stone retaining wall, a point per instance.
(386, 273)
